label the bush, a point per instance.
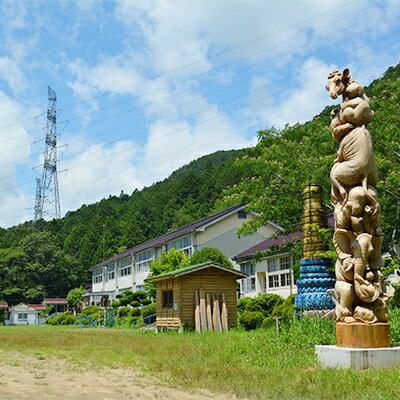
(69, 320)
(243, 303)
(251, 320)
(123, 311)
(264, 303)
(135, 303)
(285, 311)
(90, 310)
(139, 295)
(62, 319)
(135, 312)
(124, 301)
(395, 300)
(116, 303)
(145, 302)
(149, 310)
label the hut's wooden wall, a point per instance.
(168, 317)
(211, 280)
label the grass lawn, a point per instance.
(260, 364)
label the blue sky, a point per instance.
(145, 87)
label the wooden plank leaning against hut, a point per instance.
(201, 297)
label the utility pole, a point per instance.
(47, 202)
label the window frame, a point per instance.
(167, 299)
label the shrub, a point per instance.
(123, 311)
(124, 301)
(243, 303)
(145, 302)
(264, 303)
(90, 310)
(135, 303)
(135, 312)
(69, 320)
(62, 319)
(251, 320)
(116, 303)
(285, 310)
(395, 300)
(149, 310)
(139, 295)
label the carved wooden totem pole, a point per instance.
(361, 311)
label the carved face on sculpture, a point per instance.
(337, 83)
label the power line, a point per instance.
(197, 85)
(180, 105)
(201, 61)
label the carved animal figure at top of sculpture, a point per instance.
(358, 235)
(355, 108)
(354, 165)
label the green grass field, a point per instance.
(259, 364)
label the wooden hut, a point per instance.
(201, 297)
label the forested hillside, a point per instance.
(49, 258)
(285, 161)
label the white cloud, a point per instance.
(303, 101)
(97, 172)
(15, 145)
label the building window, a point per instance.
(125, 267)
(248, 268)
(22, 316)
(111, 271)
(249, 284)
(98, 275)
(184, 244)
(273, 281)
(168, 298)
(284, 262)
(143, 260)
(272, 265)
(285, 279)
(242, 214)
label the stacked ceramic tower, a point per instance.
(316, 275)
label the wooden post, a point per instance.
(203, 319)
(197, 311)
(216, 315)
(224, 314)
(209, 314)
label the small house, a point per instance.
(201, 297)
(23, 314)
(59, 304)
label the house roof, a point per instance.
(266, 244)
(37, 307)
(23, 307)
(160, 240)
(55, 300)
(3, 304)
(195, 268)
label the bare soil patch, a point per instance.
(29, 377)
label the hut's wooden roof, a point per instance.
(195, 268)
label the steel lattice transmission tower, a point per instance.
(47, 203)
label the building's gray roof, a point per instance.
(171, 235)
(266, 244)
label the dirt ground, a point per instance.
(28, 377)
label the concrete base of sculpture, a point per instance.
(340, 357)
(360, 335)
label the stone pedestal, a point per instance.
(340, 357)
(360, 335)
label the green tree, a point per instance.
(210, 254)
(168, 262)
(75, 296)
